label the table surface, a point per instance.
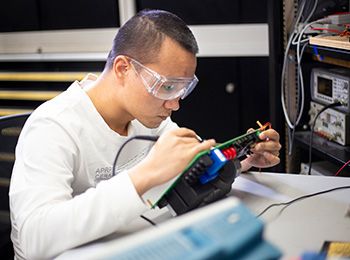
(306, 224)
(303, 226)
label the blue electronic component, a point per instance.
(219, 160)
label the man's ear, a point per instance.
(121, 66)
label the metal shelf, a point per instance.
(42, 76)
(324, 148)
(5, 111)
(28, 95)
(321, 51)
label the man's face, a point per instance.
(173, 62)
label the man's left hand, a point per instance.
(266, 153)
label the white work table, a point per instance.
(303, 226)
(306, 224)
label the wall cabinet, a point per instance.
(212, 11)
(228, 98)
(36, 15)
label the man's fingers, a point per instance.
(185, 132)
(250, 130)
(269, 146)
(271, 159)
(270, 134)
(205, 145)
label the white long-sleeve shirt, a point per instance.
(62, 192)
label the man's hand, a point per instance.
(169, 156)
(265, 153)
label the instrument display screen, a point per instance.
(324, 86)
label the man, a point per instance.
(63, 193)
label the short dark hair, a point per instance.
(142, 35)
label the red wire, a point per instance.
(326, 29)
(342, 168)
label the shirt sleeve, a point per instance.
(45, 216)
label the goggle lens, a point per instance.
(162, 87)
(172, 89)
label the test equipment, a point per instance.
(330, 86)
(331, 124)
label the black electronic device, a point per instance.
(187, 195)
(209, 176)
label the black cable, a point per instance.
(292, 140)
(312, 130)
(148, 220)
(136, 137)
(301, 198)
(291, 136)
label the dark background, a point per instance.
(210, 109)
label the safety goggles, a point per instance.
(161, 86)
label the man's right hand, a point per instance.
(169, 156)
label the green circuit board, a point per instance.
(239, 143)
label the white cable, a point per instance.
(282, 84)
(301, 89)
(299, 14)
(295, 41)
(290, 124)
(312, 11)
(299, 55)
